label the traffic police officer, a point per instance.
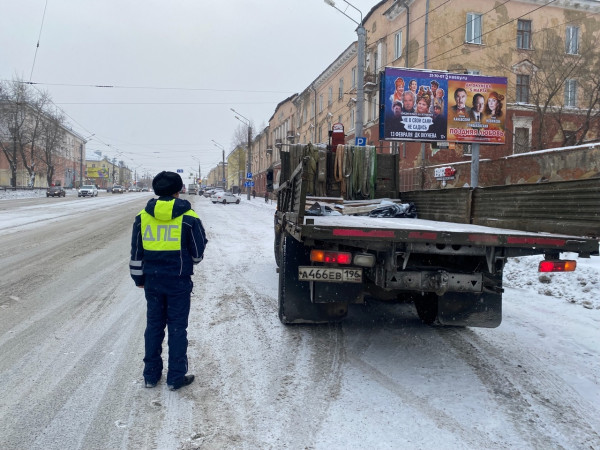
(168, 239)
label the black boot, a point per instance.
(187, 379)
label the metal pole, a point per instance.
(360, 92)
(224, 170)
(80, 165)
(475, 165)
(249, 162)
(360, 66)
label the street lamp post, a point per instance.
(222, 148)
(360, 90)
(249, 162)
(199, 172)
(85, 141)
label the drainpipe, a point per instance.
(312, 86)
(405, 4)
(426, 35)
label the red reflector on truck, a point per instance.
(361, 233)
(536, 241)
(422, 235)
(550, 265)
(330, 257)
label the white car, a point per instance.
(87, 190)
(224, 197)
(210, 191)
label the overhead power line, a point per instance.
(38, 41)
(156, 88)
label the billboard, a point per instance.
(422, 106)
(93, 172)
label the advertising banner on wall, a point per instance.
(422, 106)
(93, 172)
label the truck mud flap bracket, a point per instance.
(439, 282)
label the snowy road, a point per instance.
(71, 344)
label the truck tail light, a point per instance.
(556, 265)
(328, 257)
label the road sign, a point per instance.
(249, 184)
(179, 170)
(249, 175)
(361, 141)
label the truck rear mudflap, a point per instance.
(470, 310)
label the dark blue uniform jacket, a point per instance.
(167, 240)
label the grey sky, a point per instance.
(212, 55)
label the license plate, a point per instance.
(330, 274)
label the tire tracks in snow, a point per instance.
(540, 404)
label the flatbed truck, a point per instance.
(328, 259)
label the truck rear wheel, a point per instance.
(294, 295)
(278, 248)
(427, 307)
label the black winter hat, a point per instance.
(167, 183)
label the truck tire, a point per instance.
(278, 248)
(294, 295)
(427, 307)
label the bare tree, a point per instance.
(240, 136)
(14, 123)
(576, 129)
(53, 136)
(550, 69)
(31, 129)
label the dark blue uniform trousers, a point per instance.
(168, 301)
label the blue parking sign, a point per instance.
(360, 141)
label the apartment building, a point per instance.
(547, 51)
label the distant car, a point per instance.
(55, 191)
(224, 197)
(118, 189)
(144, 189)
(210, 191)
(87, 190)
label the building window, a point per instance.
(374, 108)
(570, 138)
(379, 56)
(524, 34)
(571, 93)
(352, 120)
(398, 45)
(330, 96)
(521, 140)
(354, 77)
(321, 103)
(522, 126)
(572, 40)
(473, 31)
(341, 89)
(522, 89)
